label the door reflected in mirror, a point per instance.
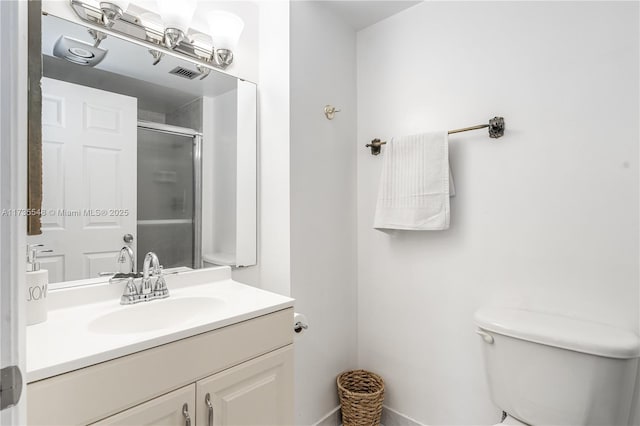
(147, 151)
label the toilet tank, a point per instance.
(546, 369)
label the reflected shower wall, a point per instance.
(166, 197)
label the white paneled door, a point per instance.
(89, 139)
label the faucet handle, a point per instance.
(130, 294)
(160, 289)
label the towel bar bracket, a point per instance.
(496, 127)
(375, 146)
(330, 112)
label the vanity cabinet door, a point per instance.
(165, 410)
(258, 392)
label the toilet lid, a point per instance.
(560, 331)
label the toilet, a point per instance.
(548, 369)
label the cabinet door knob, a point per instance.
(185, 413)
(207, 400)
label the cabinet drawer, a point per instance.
(165, 410)
(93, 393)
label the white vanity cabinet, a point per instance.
(173, 409)
(245, 368)
(254, 393)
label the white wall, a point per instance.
(323, 204)
(273, 269)
(546, 217)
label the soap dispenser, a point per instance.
(37, 283)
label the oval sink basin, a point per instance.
(155, 315)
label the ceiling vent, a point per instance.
(185, 73)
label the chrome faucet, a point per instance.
(151, 286)
(150, 261)
(127, 252)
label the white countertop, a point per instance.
(74, 334)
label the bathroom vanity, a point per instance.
(216, 352)
(160, 161)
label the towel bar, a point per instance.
(496, 130)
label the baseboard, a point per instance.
(333, 418)
(391, 417)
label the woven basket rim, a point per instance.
(376, 377)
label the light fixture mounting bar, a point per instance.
(130, 26)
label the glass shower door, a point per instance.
(166, 197)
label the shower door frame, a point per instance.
(197, 179)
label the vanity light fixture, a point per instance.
(152, 21)
(98, 36)
(157, 56)
(168, 30)
(204, 71)
(176, 16)
(225, 29)
(112, 11)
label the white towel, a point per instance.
(415, 184)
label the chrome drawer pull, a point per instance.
(185, 413)
(207, 400)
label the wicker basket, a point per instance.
(361, 394)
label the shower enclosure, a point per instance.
(169, 194)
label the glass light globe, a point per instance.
(225, 29)
(177, 14)
(152, 20)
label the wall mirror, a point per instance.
(142, 154)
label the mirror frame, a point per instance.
(34, 106)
